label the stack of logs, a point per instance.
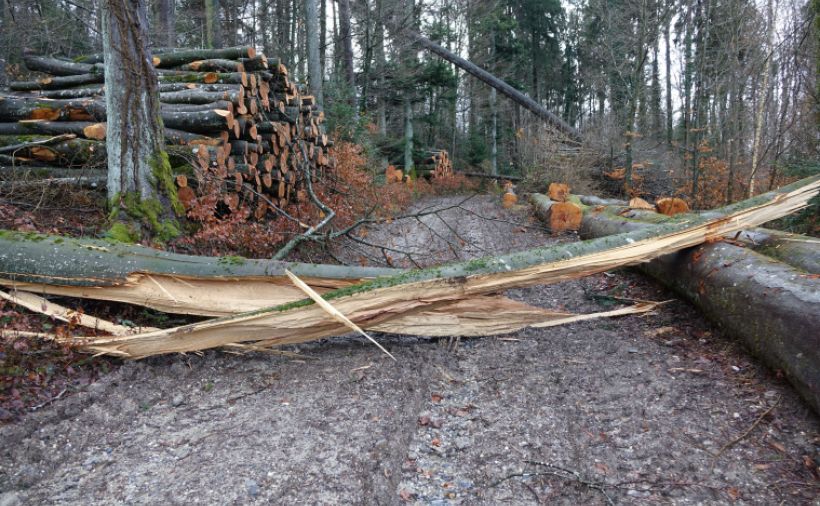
(442, 166)
(232, 112)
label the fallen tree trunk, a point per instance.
(169, 282)
(503, 87)
(769, 305)
(796, 250)
(375, 303)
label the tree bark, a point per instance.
(769, 305)
(315, 77)
(137, 164)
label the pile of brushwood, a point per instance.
(234, 124)
(762, 286)
(260, 305)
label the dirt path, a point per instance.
(638, 407)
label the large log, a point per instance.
(166, 281)
(24, 108)
(796, 250)
(59, 67)
(54, 83)
(375, 303)
(175, 58)
(86, 129)
(770, 306)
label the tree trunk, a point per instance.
(494, 134)
(762, 101)
(799, 251)
(314, 64)
(377, 303)
(213, 26)
(518, 97)
(167, 22)
(669, 111)
(140, 184)
(164, 281)
(347, 47)
(769, 305)
(408, 135)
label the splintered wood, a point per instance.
(459, 295)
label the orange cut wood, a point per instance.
(639, 203)
(559, 192)
(509, 200)
(671, 206)
(95, 131)
(564, 216)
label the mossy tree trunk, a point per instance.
(140, 184)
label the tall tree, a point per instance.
(140, 184)
(213, 27)
(314, 64)
(166, 16)
(347, 46)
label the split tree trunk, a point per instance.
(769, 305)
(210, 286)
(373, 304)
(799, 251)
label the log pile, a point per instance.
(442, 166)
(248, 131)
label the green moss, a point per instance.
(122, 232)
(231, 260)
(164, 181)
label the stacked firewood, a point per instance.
(232, 113)
(442, 166)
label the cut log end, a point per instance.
(559, 192)
(671, 206)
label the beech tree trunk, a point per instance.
(314, 64)
(137, 162)
(769, 305)
(347, 46)
(167, 22)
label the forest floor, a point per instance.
(637, 410)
